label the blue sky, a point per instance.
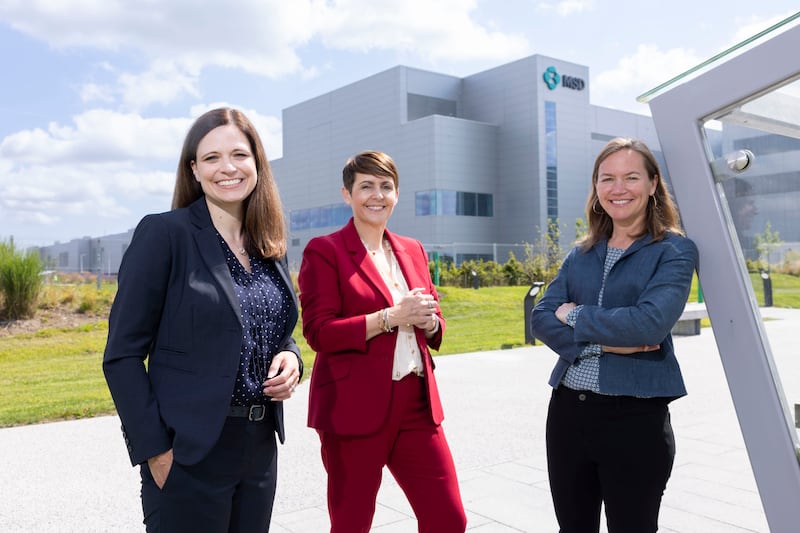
(97, 94)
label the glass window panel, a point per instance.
(755, 152)
(447, 201)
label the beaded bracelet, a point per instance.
(385, 321)
(380, 320)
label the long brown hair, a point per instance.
(264, 224)
(662, 214)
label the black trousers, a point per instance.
(231, 490)
(611, 450)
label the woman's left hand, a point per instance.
(285, 372)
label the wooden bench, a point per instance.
(689, 322)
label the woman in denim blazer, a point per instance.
(608, 316)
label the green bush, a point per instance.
(20, 281)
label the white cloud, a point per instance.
(752, 25)
(435, 31)
(163, 82)
(566, 8)
(97, 135)
(175, 41)
(636, 74)
(93, 92)
(100, 165)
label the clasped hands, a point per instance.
(417, 309)
(565, 308)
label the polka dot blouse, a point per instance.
(265, 303)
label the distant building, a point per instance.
(91, 255)
(485, 161)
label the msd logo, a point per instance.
(553, 79)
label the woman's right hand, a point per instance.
(563, 310)
(160, 466)
(415, 309)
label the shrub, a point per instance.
(20, 281)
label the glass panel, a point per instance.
(754, 152)
(725, 55)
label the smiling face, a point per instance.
(372, 199)
(225, 166)
(624, 188)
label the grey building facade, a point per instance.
(485, 161)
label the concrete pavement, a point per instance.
(75, 476)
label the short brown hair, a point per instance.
(372, 163)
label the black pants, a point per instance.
(612, 450)
(231, 490)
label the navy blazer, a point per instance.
(645, 293)
(176, 307)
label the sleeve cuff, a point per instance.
(572, 316)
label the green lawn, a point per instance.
(56, 374)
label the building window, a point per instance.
(551, 159)
(458, 203)
(319, 217)
(63, 259)
(422, 106)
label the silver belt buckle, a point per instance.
(257, 413)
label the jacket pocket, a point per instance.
(331, 369)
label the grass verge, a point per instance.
(56, 374)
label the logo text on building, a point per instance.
(553, 79)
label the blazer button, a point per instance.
(582, 397)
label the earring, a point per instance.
(655, 201)
(594, 208)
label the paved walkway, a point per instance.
(75, 476)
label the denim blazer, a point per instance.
(645, 293)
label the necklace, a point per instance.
(382, 248)
(385, 263)
(238, 249)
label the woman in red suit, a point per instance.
(371, 312)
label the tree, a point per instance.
(763, 243)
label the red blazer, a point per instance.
(351, 382)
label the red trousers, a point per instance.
(415, 451)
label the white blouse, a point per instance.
(407, 358)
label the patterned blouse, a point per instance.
(584, 374)
(265, 302)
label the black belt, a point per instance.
(254, 413)
(593, 397)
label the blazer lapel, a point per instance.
(405, 260)
(358, 253)
(211, 252)
(283, 269)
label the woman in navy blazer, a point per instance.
(608, 316)
(371, 313)
(205, 297)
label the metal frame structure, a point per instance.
(680, 113)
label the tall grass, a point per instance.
(20, 281)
